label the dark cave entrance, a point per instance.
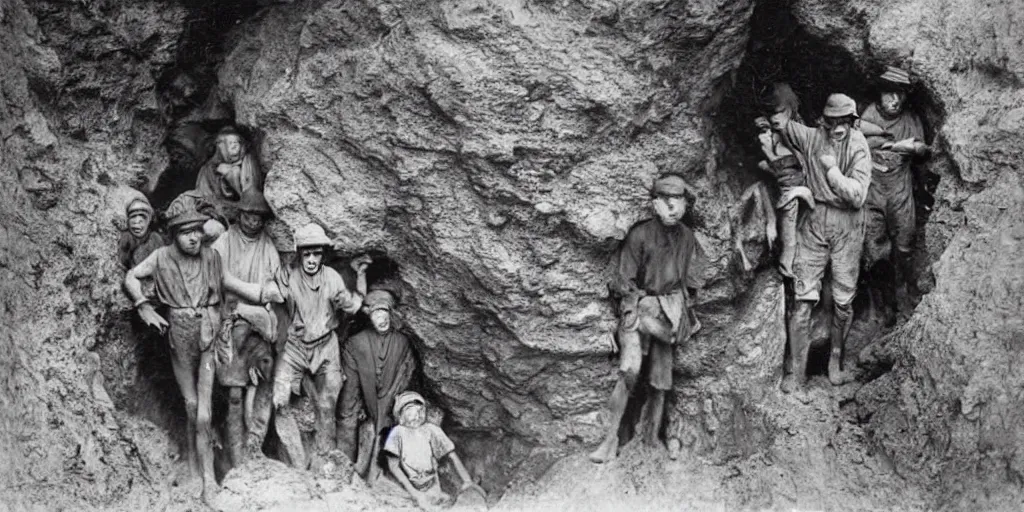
(780, 50)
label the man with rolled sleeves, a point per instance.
(658, 260)
(891, 220)
(838, 172)
(313, 293)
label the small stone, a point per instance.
(546, 208)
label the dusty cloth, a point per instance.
(825, 236)
(418, 450)
(377, 368)
(669, 309)
(192, 286)
(891, 219)
(131, 251)
(853, 159)
(229, 181)
(312, 301)
(246, 345)
(319, 359)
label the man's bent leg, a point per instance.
(289, 363)
(204, 429)
(185, 370)
(630, 358)
(236, 425)
(799, 345)
(348, 408)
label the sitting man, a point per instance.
(231, 172)
(378, 366)
(246, 349)
(415, 448)
(312, 295)
(191, 281)
(658, 260)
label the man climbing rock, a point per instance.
(838, 172)
(891, 221)
(139, 239)
(190, 281)
(245, 350)
(312, 295)
(232, 171)
(378, 365)
(658, 260)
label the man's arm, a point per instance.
(853, 188)
(133, 285)
(255, 293)
(797, 135)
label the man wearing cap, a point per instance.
(190, 282)
(139, 240)
(657, 261)
(838, 172)
(378, 365)
(891, 222)
(312, 295)
(232, 171)
(245, 350)
(415, 449)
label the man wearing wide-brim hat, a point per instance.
(838, 172)
(190, 283)
(313, 295)
(245, 350)
(891, 220)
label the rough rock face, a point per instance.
(495, 151)
(77, 118)
(947, 414)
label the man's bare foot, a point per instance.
(607, 451)
(836, 375)
(791, 384)
(210, 490)
(674, 447)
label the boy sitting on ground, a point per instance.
(414, 449)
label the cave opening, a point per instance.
(780, 50)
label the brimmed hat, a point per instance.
(840, 105)
(671, 185)
(311, 235)
(404, 399)
(184, 210)
(896, 78)
(254, 202)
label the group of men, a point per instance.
(235, 315)
(846, 197)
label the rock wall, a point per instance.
(78, 120)
(947, 414)
(496, 151)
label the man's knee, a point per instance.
(629, 376)
(191, 409)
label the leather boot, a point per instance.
(799, 345)
(842, 318)
(906, 287)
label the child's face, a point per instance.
(413, 415)
(138, 224)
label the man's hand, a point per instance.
(150, 317)
(361, 263)
(270, 294)
(904, 146)
(828, 160)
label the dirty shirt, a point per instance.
(384, 363)
(418, 449)
(852, 157)
(312, 301)
(906, 125)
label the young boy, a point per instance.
(415, 447)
